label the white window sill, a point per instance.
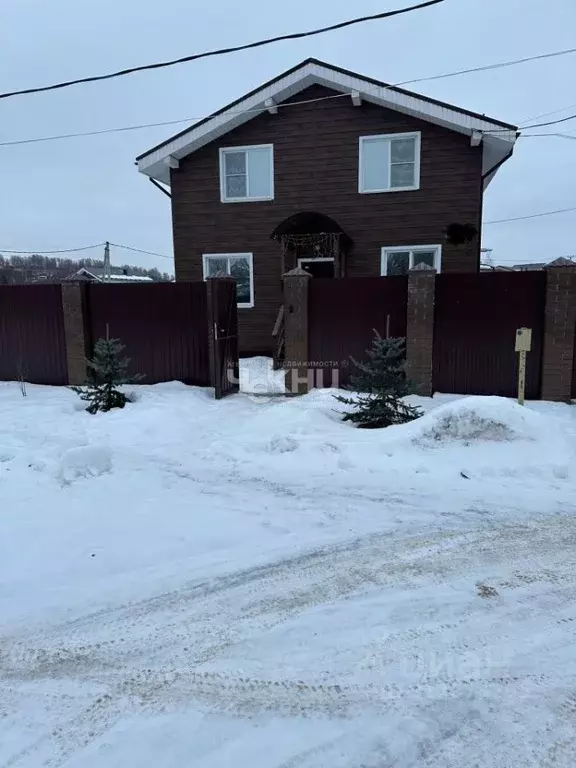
(382, 191)
(245, 306)
(246, 199)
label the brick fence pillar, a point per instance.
(559, 330)
(73, 305)
(420, 328)
(298, 375)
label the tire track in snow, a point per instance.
(331, 573)
(372, 560)
(154, 693)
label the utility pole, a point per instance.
(106, 260)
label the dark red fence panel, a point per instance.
(32, 344)
(476, 317)
(164, 327)
(343, 315)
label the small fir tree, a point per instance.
(382, 382)
(107, 370)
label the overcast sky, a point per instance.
(79, 191)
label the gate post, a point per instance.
(559, 332)
(420, 328)
(73, 311)
(298, 373)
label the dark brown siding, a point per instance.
(32, 342)
(316, 169)
(163, 326)
(476, 318)
(343, 315)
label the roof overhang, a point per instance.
(497, 138)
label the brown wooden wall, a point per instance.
(163, 326)
(574, 370)
(32, 342)
(316, 169)
(343, 315)
(476, 317)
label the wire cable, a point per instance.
(491, 66)
(547, 114)
(168, 122)
(222, 51)
(296, 103)
(536, 135)
(535, 125)
(550, 122)
(532, 216)
(139, 250)
(65, 250)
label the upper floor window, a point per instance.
(401, 259)
(236, 265)
(389, 163)
(247, 173)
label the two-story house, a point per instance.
(331, 171)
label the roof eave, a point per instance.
(156, 162)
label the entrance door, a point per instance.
(318, 267)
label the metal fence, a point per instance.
(32, 344)
(343, 315)
(166, 328)
(475, 322)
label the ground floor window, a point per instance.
(236, 265)
(400, 259)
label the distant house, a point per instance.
(534, 266)
(353, 178)
(96, 275)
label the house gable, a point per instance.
(497, 138)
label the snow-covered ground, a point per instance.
(253, 582)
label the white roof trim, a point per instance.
(496, 146)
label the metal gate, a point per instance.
(223, 336)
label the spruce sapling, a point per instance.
(107, 370)
(382, 382)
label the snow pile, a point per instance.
(475, 419)
(84, 461)
(258, 377)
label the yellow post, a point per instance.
(521, 376)
(523, 345)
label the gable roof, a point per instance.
(498, 138)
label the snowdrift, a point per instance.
(478, 419)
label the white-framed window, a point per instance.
(240, 266)
(398, 260)
(389, 163)
(247, 173)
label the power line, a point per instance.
(223, 51)
(550, 122)
(295, 103)
(139, 250)
(559, 135)
(535, 125)
(547, 114)
(43, 253)
(532, 216)
(168, 122)
(491, 66)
